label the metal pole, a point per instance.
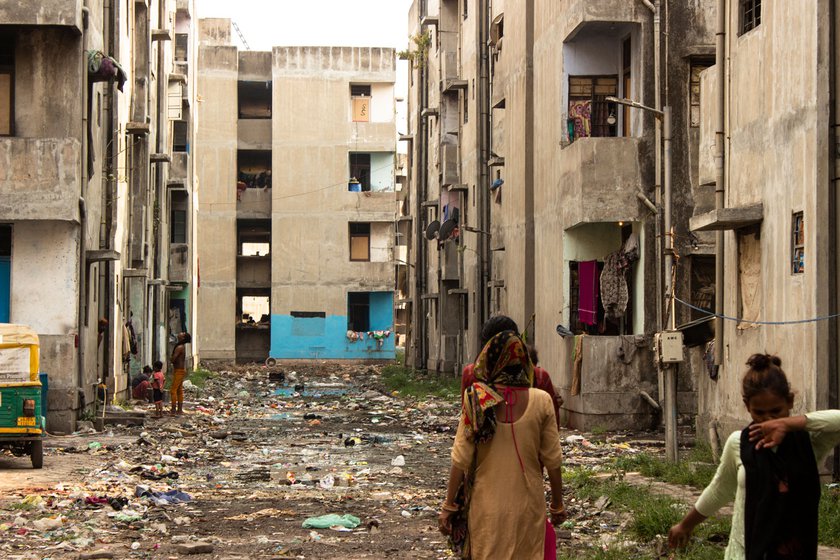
(671, 442)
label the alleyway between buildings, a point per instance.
(261, 451)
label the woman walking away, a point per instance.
(770, 469)
(495, 499)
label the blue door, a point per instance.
(5, 288)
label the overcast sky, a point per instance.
(338, 23)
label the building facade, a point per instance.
(559, 190)
(85, 137)
(297, 152)
(774, 167)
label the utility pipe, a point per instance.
(482, 194)
(670, 372)
(81, 330)
(720, 157)
(834, 207)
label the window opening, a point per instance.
(588, 109)
(358, 311)
(360, 241)
(179, 136)
(694, 92)
(254, 100)
(360, 98)
(256, 249)
(750, 15)
(181, 46)
(466, 108)
(309, 314)
(359, 172)
(466, 7)
(798, 243)
(254, 170)
(7, 85)
(255, 310)
(702, 285)
(178, 226)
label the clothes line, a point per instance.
(741, 320)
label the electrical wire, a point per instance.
(748, 321)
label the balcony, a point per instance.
(253, 271)
(58, 13)
(600, 178)
(179, 263)
(609, 388)
(179, 168)
(604, 15)
(254, 134)
(40, 178)
(183, 6)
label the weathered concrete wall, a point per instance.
(215, 151)
(62, 13)
(39, 178)
(777, 153)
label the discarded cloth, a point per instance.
(162, 498)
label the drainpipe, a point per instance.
(720, 155)
(418, 305)
(81, 329)
(834, 206)
(160, 195)
(482, 194)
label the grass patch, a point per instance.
(199, 376)
(829, 533)
(696, 467)
(651, 517)
(420, 383)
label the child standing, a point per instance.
(770, 469)
(158, 381)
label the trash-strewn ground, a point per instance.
(253, 458)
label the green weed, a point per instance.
(199, 376)
(829, 534)
(420, 383)
(696, 467)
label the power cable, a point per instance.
(748, 321)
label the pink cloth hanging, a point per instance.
(588, 292)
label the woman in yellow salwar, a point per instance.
(495, 503)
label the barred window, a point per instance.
(750, 15)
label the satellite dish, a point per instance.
(446, 229)
(432, 230)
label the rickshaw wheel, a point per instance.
(37, 454)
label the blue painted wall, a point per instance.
(5, 288)
(316, 337)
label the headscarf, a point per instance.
(503, 361)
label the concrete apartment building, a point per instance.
(770, 109)
(508, 122)
(84, 170)
(297, 155)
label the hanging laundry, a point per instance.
(588, 292)
(614, 293)
(581, 113)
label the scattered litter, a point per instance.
(332, 520)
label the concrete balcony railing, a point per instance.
(599, 178)
(40, 178)
(183, 6)
(449, 261)
(609, 394)
(373, 136)
(253, 271)
(179, 262)
(58, 13)
(179, 167)
(254, 134)
(254, 204)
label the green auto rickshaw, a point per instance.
(22, 426)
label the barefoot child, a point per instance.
(158, 381)
(770, 469)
